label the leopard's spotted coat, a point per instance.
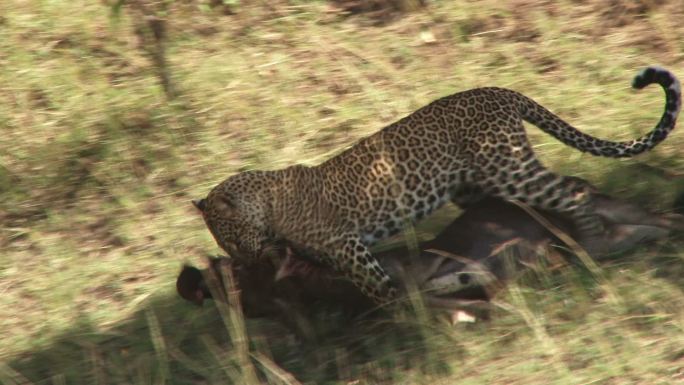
(470, 141)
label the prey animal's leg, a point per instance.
(429, 268)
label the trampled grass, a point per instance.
(97, 169)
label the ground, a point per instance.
(98, 166)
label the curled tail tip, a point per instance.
(671, 85)
(656, 74)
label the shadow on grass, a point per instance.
(168, 340)
(171, 341)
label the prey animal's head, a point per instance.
(190, 285)
(236, 214)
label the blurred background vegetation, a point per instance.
(114, 114)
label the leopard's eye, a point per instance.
(225, 206)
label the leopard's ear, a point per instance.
(200, 204)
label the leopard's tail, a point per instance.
(550, 123)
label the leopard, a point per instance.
(471, 143)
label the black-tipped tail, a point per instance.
(673, 92)
(550, 123)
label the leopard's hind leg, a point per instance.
(540, 188)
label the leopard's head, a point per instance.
(235, 212)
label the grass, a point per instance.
(97, 169)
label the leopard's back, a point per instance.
(415, 165)
(469, 141)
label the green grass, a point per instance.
(97, 169)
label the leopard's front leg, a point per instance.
(352, 258)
